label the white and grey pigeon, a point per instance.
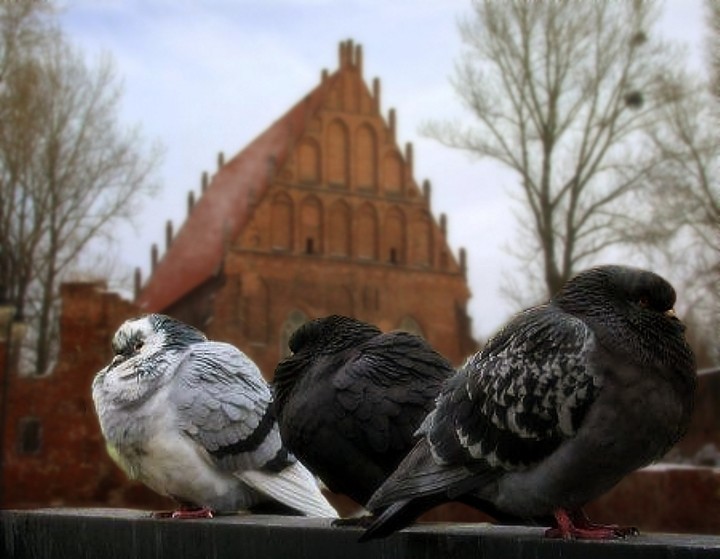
(193, 420)
(558, 407)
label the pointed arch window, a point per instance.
(336, 148)
(421, 241)
(339, 229)
(366, 158)
(282, 222)
(311, 225)
(309, 162)
(366, 233)
(394, 237)
(392, 174)
(29, 436)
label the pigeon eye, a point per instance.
(644, 302)
(138, 345)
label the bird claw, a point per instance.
(185, 513)
(576, 526)
(196, 513)
(598, 532)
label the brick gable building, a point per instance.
(319, 214)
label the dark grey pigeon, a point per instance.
(559, 406)
(350, 398)
(193, 420)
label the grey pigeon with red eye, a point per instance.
(559, 406)
(193, 420)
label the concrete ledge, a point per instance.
(123, 534)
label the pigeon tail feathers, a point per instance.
(396, 517)
(419, 484)
(419, 475)
(293, 486)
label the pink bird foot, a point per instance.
(575, 525)
(185, 513)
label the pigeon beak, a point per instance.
(671, 313)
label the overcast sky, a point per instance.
(209, 76)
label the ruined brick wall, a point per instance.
(53, 450)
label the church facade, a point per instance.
(320, 214)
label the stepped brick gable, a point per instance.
(319, 214)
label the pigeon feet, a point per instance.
(575, 525)
(185, 513)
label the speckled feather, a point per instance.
(514, 402)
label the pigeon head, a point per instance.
(331, 334)
(615, 300)
(143, 348)
(623, 287)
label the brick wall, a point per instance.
(262, 291)
(53, 452)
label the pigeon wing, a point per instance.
(508, 407)
(385, 390)
(224, 404)
(526, 392)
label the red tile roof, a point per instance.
(196, 253)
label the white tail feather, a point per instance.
(294, 486)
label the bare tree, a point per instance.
(68, 170)
(684, 203)
(714, 42)
(685, 181)
(564, 93)
(21, 27)
(714, 50)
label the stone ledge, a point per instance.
(123, 533)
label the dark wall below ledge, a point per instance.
(123, 534)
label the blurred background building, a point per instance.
(319, 214)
